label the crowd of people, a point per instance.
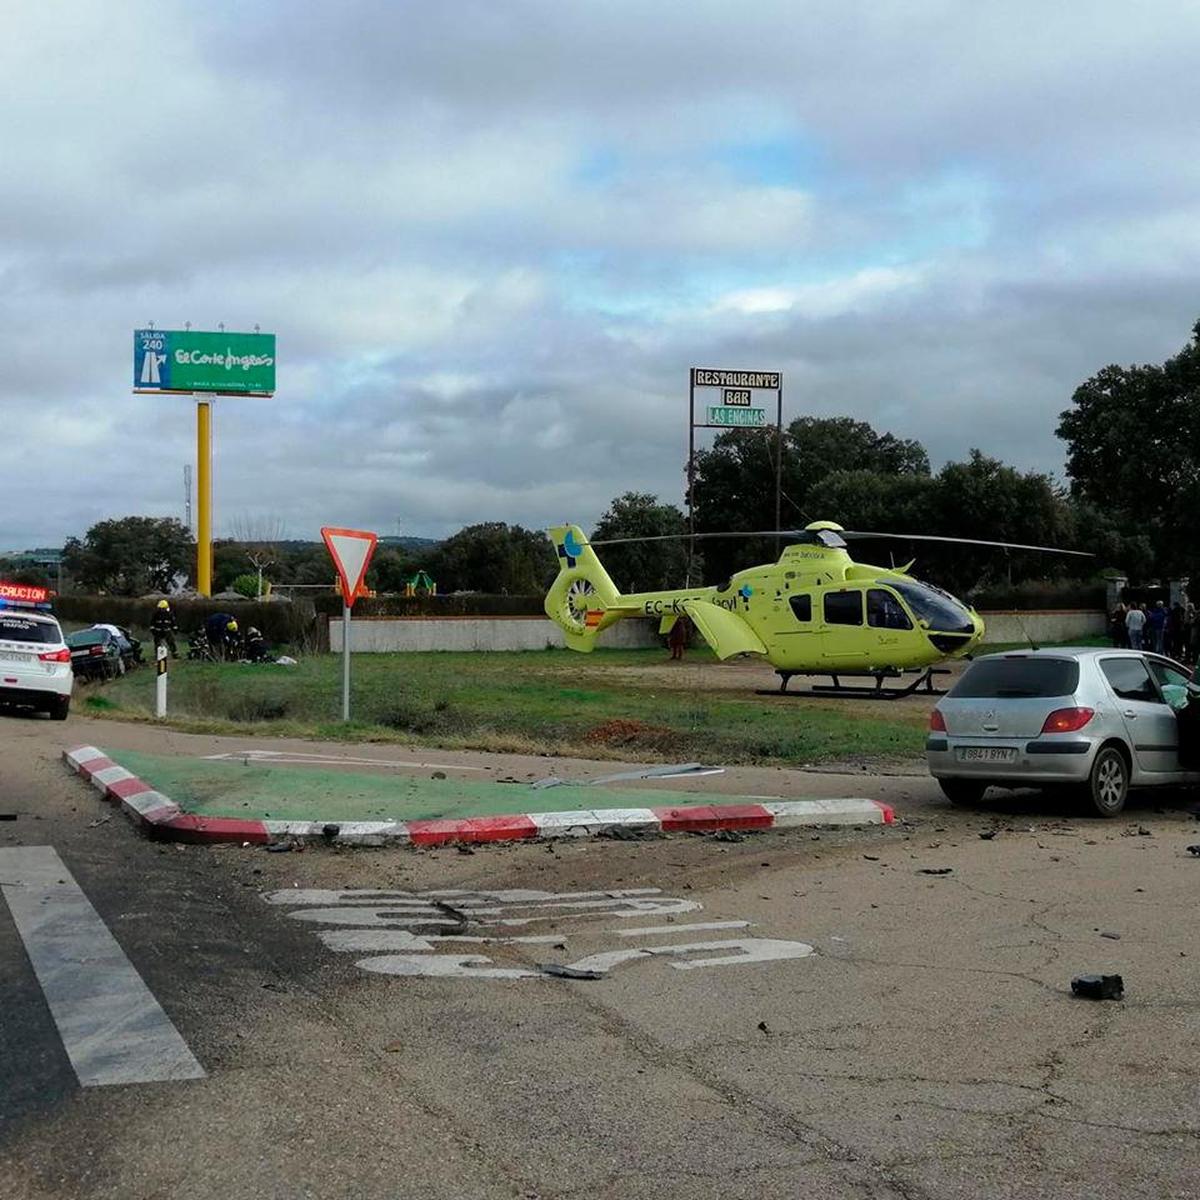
(219, 639)
(1173, 631)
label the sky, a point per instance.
(492, 238)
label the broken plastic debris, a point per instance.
(568, 972)
(1098, 987)
(674, 771)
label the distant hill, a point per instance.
(410, 543)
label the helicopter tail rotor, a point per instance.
(582, 600)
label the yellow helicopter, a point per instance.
(814, 612)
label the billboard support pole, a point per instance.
(203, 495)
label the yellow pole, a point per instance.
(204, 497)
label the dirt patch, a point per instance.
(633, 735)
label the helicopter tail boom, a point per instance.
(582, 601)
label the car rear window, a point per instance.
(1014, 678)
(88, 637)
(23, 629)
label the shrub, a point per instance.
(247, 585)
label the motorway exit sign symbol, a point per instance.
(351, 551)
(185, 360)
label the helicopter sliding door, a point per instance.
(842, 627)
(798, 633)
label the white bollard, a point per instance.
(160, 683)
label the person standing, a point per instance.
(163, 628)
(1174, 642)
(1116, 627)
(1135, 624)
(677, 639)
(1157, 621)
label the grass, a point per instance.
(549, 702)
(260, 791)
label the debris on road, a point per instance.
(13, 817)
(457, 915)
(728, 835)
(1194, 850)
(674, 771)
(1114, 937)
(561, 972)
(935, 870)
(277, 847)
(629, 833)
(1099, 987)
(986, 835)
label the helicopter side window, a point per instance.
(844, 608)
(885, 612)
(801, 607)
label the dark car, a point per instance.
(102, 653)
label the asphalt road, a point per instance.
(877, 1031)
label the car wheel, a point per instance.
(962, 791)
(59, 707)
(1108, 784)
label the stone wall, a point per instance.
(385, 634)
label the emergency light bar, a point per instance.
(24, 595)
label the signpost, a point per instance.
(735, 411)
(203, 365)
(351, 551)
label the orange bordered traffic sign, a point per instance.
(351, 551)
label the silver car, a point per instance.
(1094, 719)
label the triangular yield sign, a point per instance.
(351, 551)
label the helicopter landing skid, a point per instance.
(922, 685)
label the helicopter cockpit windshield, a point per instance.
(938, 609)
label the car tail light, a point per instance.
(63, 655)
(937, 723)
(96, 650)
(1067, 720)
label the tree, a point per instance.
(390, 569)
(15, 570)
(1133, 451)
(644, 566)
(259, 537)
(494, 557)
(130, 555)
(735, 480)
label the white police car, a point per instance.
(35, 663)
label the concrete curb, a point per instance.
(159, 816)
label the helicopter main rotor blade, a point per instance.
(928, 537)
(673, 537)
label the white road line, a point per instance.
(682, 927)
(113, 1029)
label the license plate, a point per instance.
(15, 656)
(985, 754)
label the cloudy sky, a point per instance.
(493, 236)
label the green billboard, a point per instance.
(175, 360)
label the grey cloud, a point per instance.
(999, 201)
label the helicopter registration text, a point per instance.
(656, 608)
